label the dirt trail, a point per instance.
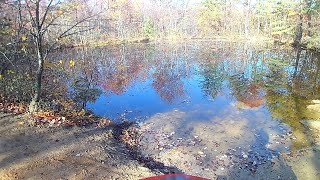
(94, 153)
(63, 153)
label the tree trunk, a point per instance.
(297, 62)
(34, 105)
(309, 24)
(247, 19)
(308, 4)
(298, 33)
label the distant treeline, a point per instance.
(111, 20)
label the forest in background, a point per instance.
(98, 22)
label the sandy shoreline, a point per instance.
(93, 153)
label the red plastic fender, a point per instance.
(175, 177)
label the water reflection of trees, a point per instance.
(286, 80)
(167, 82)
(291, 91)
(213, 77)
(169, 70)
(238, 64)
(114, 69)
(84, 91)
(247, 92)
(121, 69)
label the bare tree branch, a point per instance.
(77, 32)
(4, 55)
(37, 15)
(46, 13)
(51, 22)
(64, 34)
(30, 14)
(73, 26)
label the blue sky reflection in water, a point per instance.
(179, 79)
(208, 82)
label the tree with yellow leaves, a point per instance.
(43, 16)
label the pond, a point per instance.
(219, 97)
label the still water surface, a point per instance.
(265, 90)
(204, 106)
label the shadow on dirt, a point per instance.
(135, 154)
